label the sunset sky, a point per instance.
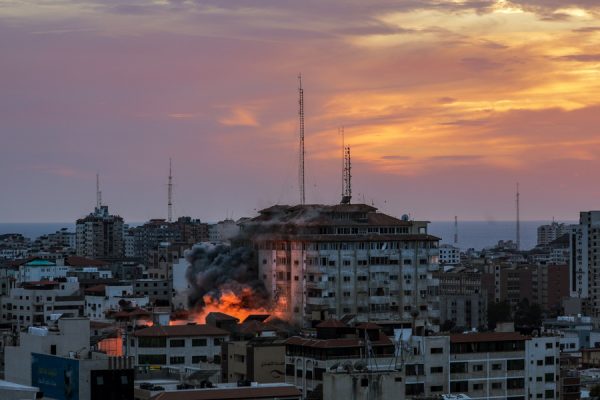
(445, 104)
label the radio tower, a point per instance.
(455, 230)
(347, 178)
(170, 191)
(301, 118)
(98, 192)
(518, 220)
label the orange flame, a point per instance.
(237, 305)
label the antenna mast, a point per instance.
(98, 192)
(170, 190)
(455, 230)
(301, 118)
(518, 220)
(347, 192)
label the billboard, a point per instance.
(57, 377)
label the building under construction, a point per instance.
(321, 261)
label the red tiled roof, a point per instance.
(332, 323)
(77, 261)
(219, 316)
(96, 289)
(40, 283)
(486, 337)
(181, 330)
(254, 326)
(232, 393)
(100, 325)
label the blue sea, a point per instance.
(471, 234)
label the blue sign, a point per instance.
(57, 377)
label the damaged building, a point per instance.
(319, 261)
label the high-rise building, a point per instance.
(100, 235)
(320, 261)
(549, 233)
(584, 264)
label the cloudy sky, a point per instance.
(446, 104)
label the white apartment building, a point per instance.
(449, 255)
(550, 232)
(504, 366)
(320, 261)
(39, 269)
(102, 298)
(176, 345)
(481, 365)
(37, 303)
(585, 261)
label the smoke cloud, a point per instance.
(216, 269)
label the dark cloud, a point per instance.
(581, 57)
(479, 63)
(446, 100)
(456, 157)
(396, 157)
(587, 29)
(466, 122)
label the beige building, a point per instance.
(260, 359)
(320, 261)
(100, 235)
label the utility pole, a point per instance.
(518, 220)
(98, 192)
(455, 230)
(170, 194)
(301, 120)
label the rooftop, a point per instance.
(487, 337)
(181, 330)
(251, 392)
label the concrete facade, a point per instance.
(347, 259)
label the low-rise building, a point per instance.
(158, 291)
(177, 345)
(36, 303)
(449, 255)
(102, 298)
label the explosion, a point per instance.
(238, 305)
(225, 280)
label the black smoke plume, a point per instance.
(216, 268)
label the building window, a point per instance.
(158, 359)
(518, 383)
(549, 394)
(152, 341)
(217, 341)
(436, 370)
(414, 389)
(515, 365)
(549, 377)
(496, 367)
(198, 342)
(437, 350)
(459, 386)
(434, 389)
(458, 367)
(177, 360)
(177, 343)
(496, 385)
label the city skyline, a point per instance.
(446, 105)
